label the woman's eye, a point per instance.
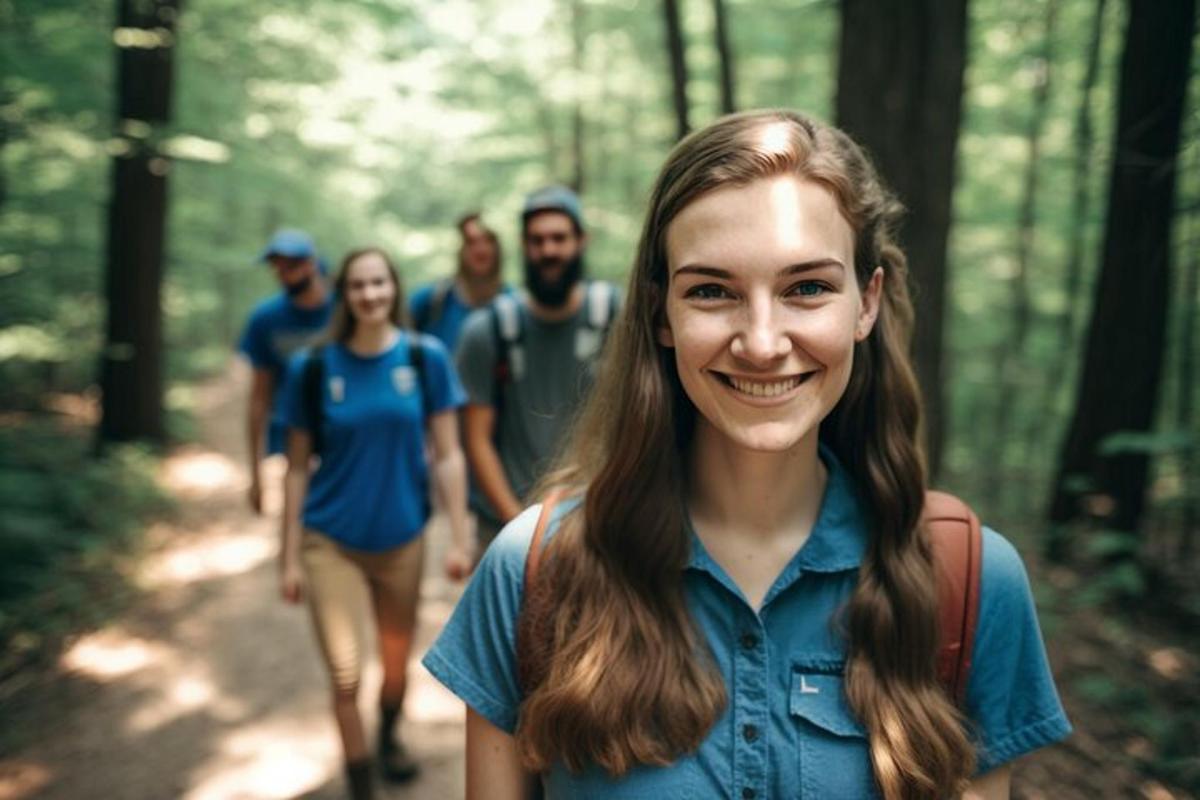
(707, 291)
(809, 289)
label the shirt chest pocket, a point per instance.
(834, 758)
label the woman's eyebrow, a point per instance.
(791, 269)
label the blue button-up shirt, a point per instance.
(787, 731)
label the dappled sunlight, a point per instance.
(199, 473)
(22, 779)
(111, 654)
(214, 556)
(275, 759)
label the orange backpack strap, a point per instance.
(534, 557)
(534, 621)
(957, 540)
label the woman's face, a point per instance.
(763, 309)
(478, 251)
(370, 291)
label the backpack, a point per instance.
(957, 540)
(313, 386)
(599, 309)
(430, 313)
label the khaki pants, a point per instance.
(345, 588)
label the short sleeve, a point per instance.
(1011, 697)
(292, 405)
(476, 358)
(255, 342)
(443, 389)
(475, 654)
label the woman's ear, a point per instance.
(872, 293)
(665, 337)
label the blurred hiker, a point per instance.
(740, 586)
(526, 360)
(441, 307)
(365, 402)
(278, 327)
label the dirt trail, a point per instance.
(211, 688)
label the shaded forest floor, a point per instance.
(208, 686)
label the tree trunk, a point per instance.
(679, 76)
(900, 80)
(131, 376)
(577, 126)
(1186, 400)
(1011, 366)
(724, 57)
(1122, 368)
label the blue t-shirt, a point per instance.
(787, 730)
(371, 489)
(455, 311)
(277, 328)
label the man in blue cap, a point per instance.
(277, 327)
(526, 360)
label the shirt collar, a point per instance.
(838, 539)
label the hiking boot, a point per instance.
(395, 762)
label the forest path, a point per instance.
(210, 687)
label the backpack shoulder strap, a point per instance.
(600, 300)
(313, 387)
(533, 558)
(416, 357)
(956, 538)
(505, 315)
(437, 302)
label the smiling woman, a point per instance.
(739, 598)
(366, 402)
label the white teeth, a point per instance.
(764, 388)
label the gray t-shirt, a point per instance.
(550, 378)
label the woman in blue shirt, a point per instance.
(739, 599)
(365, 403)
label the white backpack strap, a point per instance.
(509, 317)
(599, 304)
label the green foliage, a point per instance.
(68, 516)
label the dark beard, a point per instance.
(299, 287)
(553, 294)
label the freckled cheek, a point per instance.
(829, 338)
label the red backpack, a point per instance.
(957, 541)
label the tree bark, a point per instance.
(131, 375)
(900, 81)
(1122, 369)
(679, 74)
(725, 57)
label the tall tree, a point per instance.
(900, 81)
(1122, 368)
(131, 375)
(679, 73)
(724, 56)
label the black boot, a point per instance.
(394, 761)
(358, 780)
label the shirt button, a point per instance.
(749, 733)
(749, 641)
(747, 793)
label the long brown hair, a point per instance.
(341, 323)
(625, 677)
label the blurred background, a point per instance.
(1048, 153)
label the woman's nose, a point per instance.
(762, 338)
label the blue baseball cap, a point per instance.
(289, 243)
(554, 198)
